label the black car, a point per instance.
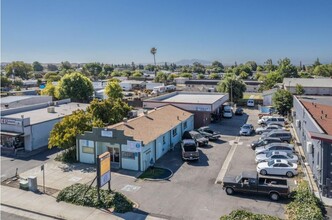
(196, 136)
(239, 111)
(263, 142)
(208, 133)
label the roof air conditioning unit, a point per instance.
(298, 123)
(309, 147)
(51, 109)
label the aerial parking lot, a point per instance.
(193, 192)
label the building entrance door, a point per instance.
(115, 156)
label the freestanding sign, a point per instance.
(104, 170)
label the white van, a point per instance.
(250, 103)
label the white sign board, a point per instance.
(10, 121)
(134, 146)
(203, 109)
(106, 133)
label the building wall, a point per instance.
(147, 154)
(129, 163)
(267, 100)
(315, 153)
(312, 90)
(87, 157)
(40, 133)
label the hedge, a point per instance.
(74, 194)
(305, 205)
(246, 215)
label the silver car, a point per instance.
(272, 155)
(269, 128)
(247, 129)
(289, 148)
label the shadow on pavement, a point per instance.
(41, 154)
(260, 197)
(203, 160)
(84, 168)
(171, 160)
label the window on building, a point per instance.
(185, 125)
(88, 150)
(164, 141)
(128, 155)
(175, 132)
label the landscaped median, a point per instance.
(80, 194)
(156, 173)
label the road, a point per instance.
(10, 216)
(9, 164)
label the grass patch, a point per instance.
(243, 214)
(79, 194)
(255, 95)
(155, 173)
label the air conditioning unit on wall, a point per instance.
(309, 147)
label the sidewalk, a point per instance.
(19, 202)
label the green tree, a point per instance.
(18, 69)
(52, 76)
(108, 69)
(116, 74)
(316, 63)
(63, 134)
(52, 67)
(153, 51)
(323, 70)
(283, 101)
(150, 67)
(286, 69)
(217, 67)
(92, 69)
(252, 65)
(172, 76)
(65, 65)
(243, 75)
(271, 79)
(36, 66)
(269, 65)
(5, 82)
(75, 86)
(214, 76)
(113, 90)
(198, 68)
(161, 77)
(200, 76)
(299, 90)
(49, 89)
(234, 87)
(186, 75)
(137, 73)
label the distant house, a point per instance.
(267, 96)
(252, 85)
(316, 86)
(312, 118)
(128, 85)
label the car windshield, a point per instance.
(189, 147)
(238, 178)
(270, 163)
(246, 127)
(208, 131)
(227, 111)
(269, 154)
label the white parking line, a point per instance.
(225, 165)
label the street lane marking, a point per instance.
(227, 161)
(130, 188)
(75, 179)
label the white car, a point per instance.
(277, 167)
(285, 147)
(228, 113)
(263, 119)
(251, 103)
(268, 128)
(246, 129)
(273, 155)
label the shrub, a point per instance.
(246, 215)
(80, 194)
(305, 204)
(67, 156)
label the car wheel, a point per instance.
(289, 174)
(263, 172)
(274, 196)
(259, 132)
(229, 191)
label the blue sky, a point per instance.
(122, 31)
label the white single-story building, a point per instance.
(24, 100)
(315, 86)
(28, 128)
(128, 85)
(267, 96)
(134, 143)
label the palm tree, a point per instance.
(154, 51)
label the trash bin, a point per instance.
(24, 185)
(33, 183)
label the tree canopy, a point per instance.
(18, 69)
(49, 89)
(36, 66)
(283, 101)
(113, 90)
(75, 86)
(299, 90)
(232, 86)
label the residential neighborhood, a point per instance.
(166, 116)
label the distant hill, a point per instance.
(191, 61)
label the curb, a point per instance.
(162, 179)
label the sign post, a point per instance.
(42, 168)
(103, 171)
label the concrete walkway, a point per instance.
(19, 202)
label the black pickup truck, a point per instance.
(250, 182)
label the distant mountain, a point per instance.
(191, 61)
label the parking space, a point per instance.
(192, 193)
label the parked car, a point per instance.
(284, 135)
(263, 142)
(268, 128)
(251, 103)
(289, 148)
(227, 113)
(247, 129)
(277, 167)
(275, 120)
(263, 119)
(239, 111)
(196, 136)
(272, 155)
(208, 133)
(250, 182)
(189, 150)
